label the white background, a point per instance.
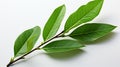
(19, 15)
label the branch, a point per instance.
(57, 36)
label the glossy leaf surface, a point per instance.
(26, 41)
(62, 46)
(54, 22)
(84, 14)
(91, 32)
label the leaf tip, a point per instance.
(63, 5)
(115, 26)
(37, 27)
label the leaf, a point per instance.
(62, 46)
(84, 14)
(26, 41)
(91, 32)
(54, 22)
(12, 59)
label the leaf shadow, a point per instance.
(57, 56)
(105, 18)
(73, 53)
(103, 39)
(20, 61)
(66, 55)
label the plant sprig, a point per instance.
(83, 33)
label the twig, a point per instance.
(11, 62)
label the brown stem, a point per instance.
(10, 63)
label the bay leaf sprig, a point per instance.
(87, 32)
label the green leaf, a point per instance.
(84, 14)
(91, 32)
(54, 22)
(26, 41)
(62, 46)
(12, 59)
